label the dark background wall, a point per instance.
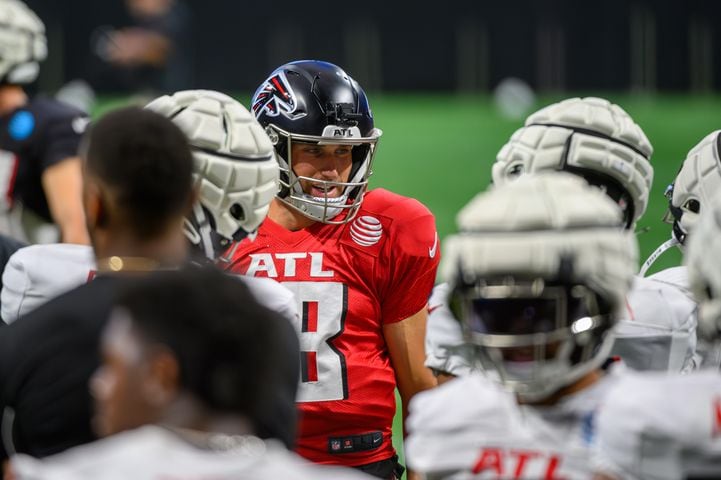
(553, 45)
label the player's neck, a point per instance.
(287, 217)
(12, 97)
(169, 249)
(581, 384)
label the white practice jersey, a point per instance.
(445, 351)
(661, 426)
(38, 273)
(659, 329)
(676, 277)
(470, 428)
(154, 453)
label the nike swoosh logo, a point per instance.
(433, 308)
(432, 250)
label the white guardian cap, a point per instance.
(22, 43)
(235, 167)
(590, 137)
(696, 183)
(703, 259)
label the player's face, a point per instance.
(526, 318)
(521, 329)
(322, 162)
(119, 385)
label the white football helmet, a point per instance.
(22, 43)
(590, 137)
(236, 171)
(538, 272)
(703, 259)
(696, 183)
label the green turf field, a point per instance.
(439, 149)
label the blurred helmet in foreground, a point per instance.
(538, 273)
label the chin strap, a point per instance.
(198, 231)
(227, 257)
(672, 242)
(211, 244)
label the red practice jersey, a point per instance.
(349, 281)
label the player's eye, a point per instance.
(312, 150)
(343, 151)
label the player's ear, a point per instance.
(93, 205)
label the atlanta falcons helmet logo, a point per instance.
(276, 97)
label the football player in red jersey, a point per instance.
(361, 264)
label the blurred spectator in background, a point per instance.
(150, 54)
(40, 178)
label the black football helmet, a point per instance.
(316, 102)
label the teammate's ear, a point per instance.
(93, 205)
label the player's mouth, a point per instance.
(324, 190)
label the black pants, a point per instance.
(388, 469)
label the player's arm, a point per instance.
(139, 46)
(405, 341)
(406, 347)
(62, 184)
(405, 310)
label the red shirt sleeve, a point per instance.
(413, 262)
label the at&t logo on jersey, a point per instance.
(366, 231)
